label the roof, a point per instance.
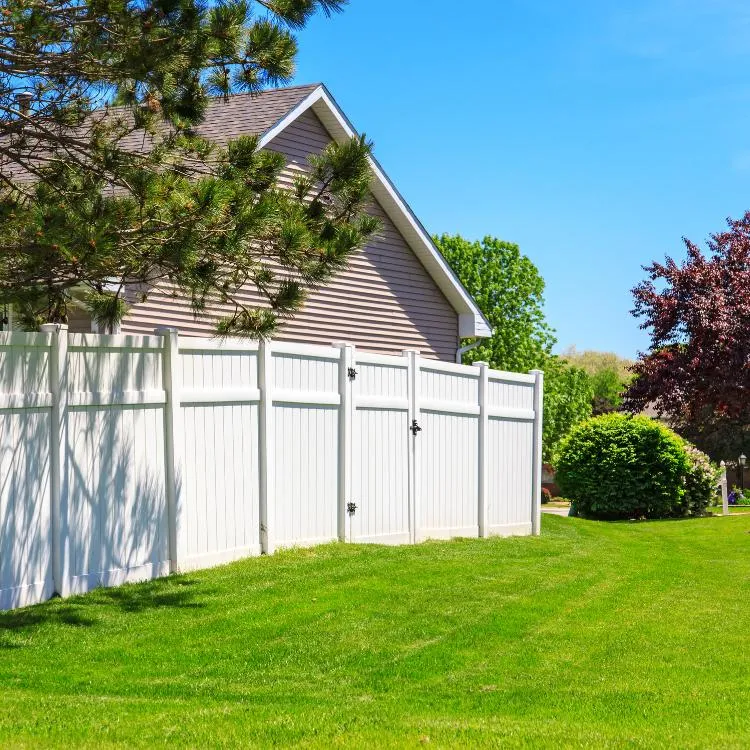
(250, 114)
(225, 119)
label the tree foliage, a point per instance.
(568, 396)
(106, 189)
(609, 373)
(593, 361)
(697, 372)
(509, 290)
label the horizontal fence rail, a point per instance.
(124, 458)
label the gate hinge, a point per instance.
(351, 508)
(415, 428)
(352, 373)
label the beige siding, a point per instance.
(385, 301)
(79, 320)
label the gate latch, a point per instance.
(351, 508)
(415, 428)
(352, 373)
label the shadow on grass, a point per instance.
(84, 610)
(26, 621)
(159, 594)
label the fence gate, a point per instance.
(380, 494)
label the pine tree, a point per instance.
(106, 188)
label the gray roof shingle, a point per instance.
(238, 114)
(250, 114)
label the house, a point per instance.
(397, 293)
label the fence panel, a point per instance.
(25, 523)
(510, 453)
(305, 418)
(380, 461)
(114, 499)
(448, 455)
(220, 474)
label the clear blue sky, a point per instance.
(594, 133)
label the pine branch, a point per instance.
(129, 192)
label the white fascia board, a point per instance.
(471, 321)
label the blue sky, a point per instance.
(593, 133)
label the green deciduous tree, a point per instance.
(608, 390)
(109, 200)
(568, 396)
(610, 376)
(510, 292)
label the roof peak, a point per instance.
(277, 90)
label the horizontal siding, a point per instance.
(384, 301)
(79, 320)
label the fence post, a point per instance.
(58, 386)
(173, 432)
(536, 512)
(724, 490)
(412, 356)
(266, 444)
(483, 447)
(346, 363)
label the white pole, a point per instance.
(724, 492)
(412, 356)
(483, 446)
(346, 383)
(266, 442)
(173, 431)
(58, 385)
(536, 513)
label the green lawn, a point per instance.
(594, 635)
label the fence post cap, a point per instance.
(53, 327)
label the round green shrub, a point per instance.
(701, 482)
(618, 466)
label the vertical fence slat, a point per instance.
(266, 444)
(414, 374)
(346, 363)
(536, 512)
(58, 385)
(483, 446)
(173, 429)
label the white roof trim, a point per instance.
(471, 321)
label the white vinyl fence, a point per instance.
(126, 457)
